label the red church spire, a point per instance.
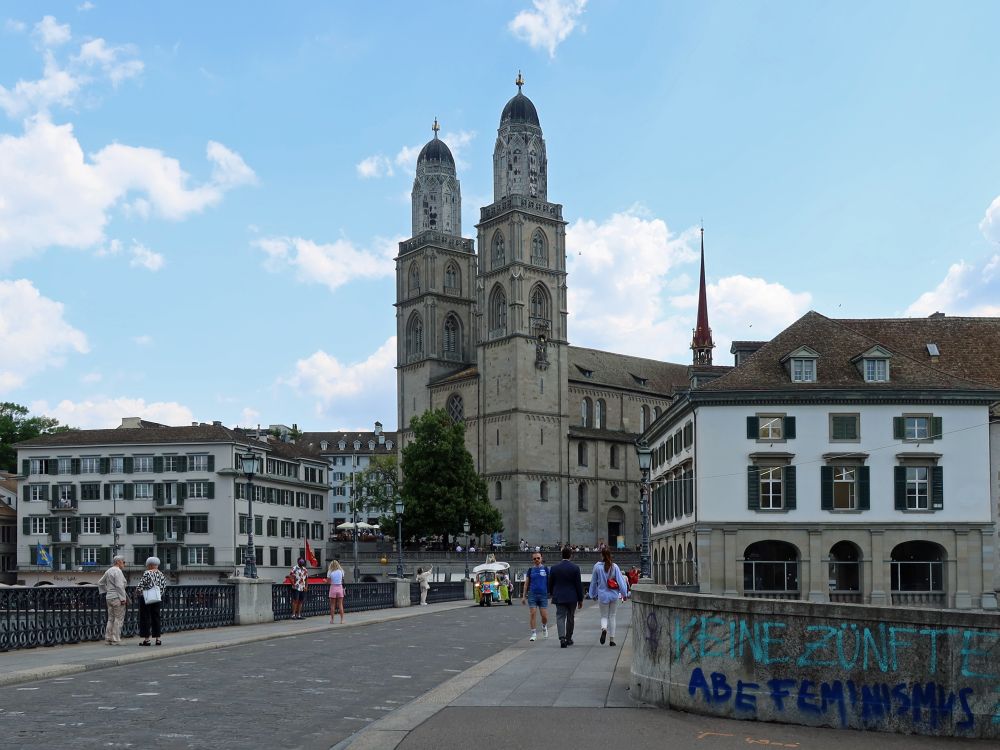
(701, 340)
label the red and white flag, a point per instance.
(310, 557)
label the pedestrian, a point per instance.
(536, 593)
(608, 586)
(633, 577)
(335, 574)
(566, 589)
(150, 592)
(424, 579)
(112, 585)
(300, 583)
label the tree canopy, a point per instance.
(441, 488)
(376, 488)
(17, 424)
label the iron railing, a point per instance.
(358, 597)
(450, 591)
(54, 615)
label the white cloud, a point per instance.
(628, 275)
(143, 257)
(990, 225)
(143, 339)
(967, 289)
(249, 417)
(375, 166)
(332, 265)
(85, 6)
(57, 86)
(107, 412)
(380, 165)
(51, 33)
(97, 53)
(14, 26)
(549, 24)
(92, 377)
(52, 195)
(349, 393)
(33, 333)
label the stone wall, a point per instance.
(912, 671)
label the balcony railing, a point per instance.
(64, 505)
(169, 503)
(932, 599)
(791, 595)
(847, 597)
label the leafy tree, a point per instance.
(17, 424)
(375, 490)
(441, 488)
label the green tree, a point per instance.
(17, 424)
(441, 488)
(376, 488)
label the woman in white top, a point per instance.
(335, 574)
(424, 579)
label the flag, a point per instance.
(310, 557)
(42, 556)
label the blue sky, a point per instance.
(199, 202)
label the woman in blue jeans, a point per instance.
(608, 586)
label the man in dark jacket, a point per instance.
(566, 590)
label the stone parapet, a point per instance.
(253, 600)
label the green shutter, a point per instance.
(104, 556)
(258, 526)
(864, 488)
(157, 464)
(182, 492)
(26, 526)
(25, 466)
(107, 490)
(670, 500)
(129, 491)
(789, 479)
(33, 549)
(753, 486)
(211, 463)
(52, 467)
(105, 465)
(26, 493)
(180, 464)
(104, 525)
(158, 528)
(129, 464)
(937, 488)
(211, 490)
(753, 428)
(158, 492)
(900, 485)
(72, 492)
(937, 428)
(826, 487)
(130, 525)
(898, 428)
(74, 466)
(48, 492)
(210, 556)
(789, 428)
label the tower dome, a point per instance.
(520, 110)
(519, 161)
(436, 196)
(436, 150)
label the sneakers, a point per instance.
(612, 644)
(534, 636)
(604, 636)
(545, 631)
(563, 643)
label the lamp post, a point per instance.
(399, 536)
(467, 527)
(251, 465)
(354, 519)
(645, 454)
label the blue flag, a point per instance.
(42, 556)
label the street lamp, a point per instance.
(251, 465)
(399, 536)
(645, 454)
(354, 519)
(467, 528)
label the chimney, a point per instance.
(216, 423)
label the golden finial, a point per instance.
(435, 127)
(519, 82)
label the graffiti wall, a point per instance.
(912, 671)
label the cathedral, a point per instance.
(482, 332)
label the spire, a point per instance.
(519, 82)
(701, 340)
(435, 127)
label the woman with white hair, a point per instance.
(150, 591)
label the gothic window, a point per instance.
(581, 498)
(498, 312)
(452, 339)
(585, 412)
(497, 492)
(415, 336)
(498, 249)
(452, 281)
(414, 278)
(539, 251)
(643, 418)
(456, 408)
(539, 306)
(581, 453)
(613, 458)
(600, 414)
(543, 491)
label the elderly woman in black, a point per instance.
(150, 590)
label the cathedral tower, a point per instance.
(701, 338)
(435, 274)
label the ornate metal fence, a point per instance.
(446, 591)
(53, 615)
(358, 597)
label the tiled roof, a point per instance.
(624, 371)
(466, 372)
(837, 342)
(7, 512)
(203, 433)
(313, 440)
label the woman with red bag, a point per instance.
(608, 586)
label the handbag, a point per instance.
(613, 579)
(151, 596)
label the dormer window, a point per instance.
(639, 380)
(371, 445)
(341, 445)
(801, 364)
(874, 364)
(357, 445)
(585, 372)
(388, 444)
(323, 445)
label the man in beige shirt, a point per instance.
(112, 585)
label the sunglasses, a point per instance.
(537, 559)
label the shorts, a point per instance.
(298, 596)
(536, 599)
(336, 591)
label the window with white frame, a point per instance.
(38, 466)
(197, 555)
(803, 370)
(876, 370)
(143, 490)
(65, 495)
(65, 465)
(770, 488)
(39, 492)
(170, 463)
(917, 488)
(770, 427)
(38, 525)
(89, 555)
(845, 487)
(117, 490)
(143, 524)
(197, 489)
(142, 464)
(90, 525)
(916, 428)
(197, 462)
(117, 464)
(90, 465)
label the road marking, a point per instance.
(142, 694)
(177, 674)
(404, 676)
(358, 718)
(453, 670)
(34, 688)
(105, 708)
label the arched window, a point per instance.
(414, 278)
(543, 491)
(452, 340)
(415, 336)
(497, 492)
(845, 572)
(771, 566)
(600, 414)
(452, 280)
(539, 249)
(581, 497)
(917, 573)
(613, 458)
(690, 564)
(456, 408)
(581, 453)
(656, 413)
(643, 418)
(499, 254)
(670, 567)
(539, 300)
(680, 565)
(498, 312)
(586, 412)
